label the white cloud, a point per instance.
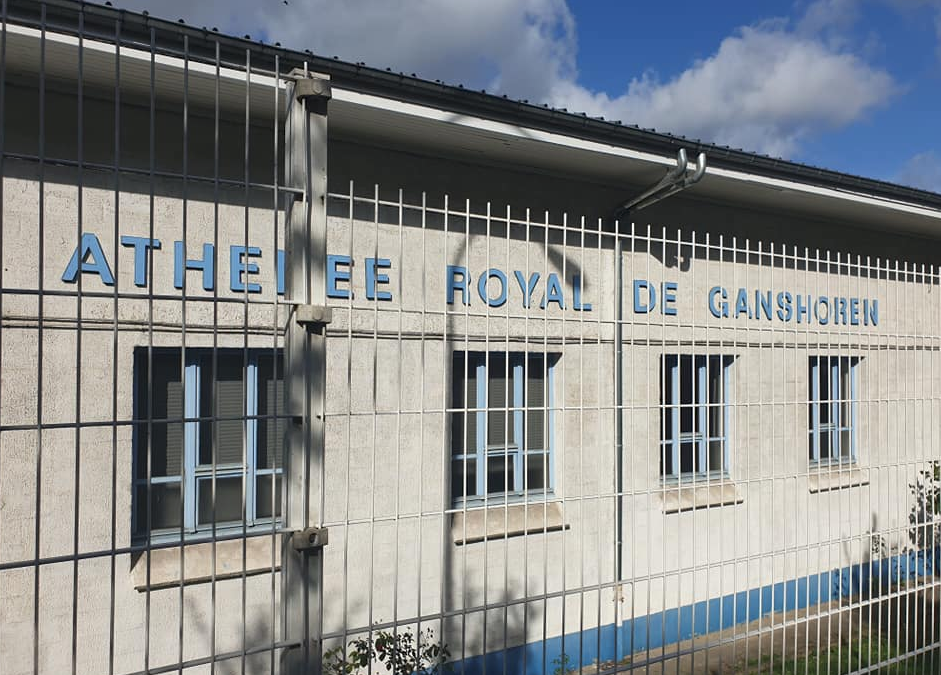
(922, 171)
(514, 46)
(825, 15)
(226, 16)
(765, 89)
(768, 87)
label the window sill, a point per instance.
(165, 562)
(687, 497)
(511, 520)
(824, 478)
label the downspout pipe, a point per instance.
(676, 180)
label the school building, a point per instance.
(295, 351)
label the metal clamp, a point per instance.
(309, 539)
(310, 87)
(313, 317)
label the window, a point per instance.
(501, 421)
(208, 437)
(833, 410)
(694, 416)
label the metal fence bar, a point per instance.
(39, 335)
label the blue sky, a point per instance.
(901, 38)
(851, 85)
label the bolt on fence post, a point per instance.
(305, 176)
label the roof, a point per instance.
(143, 31)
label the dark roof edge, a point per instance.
(141, 30)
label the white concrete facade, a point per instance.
(547, 567)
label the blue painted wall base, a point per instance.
(612, 642)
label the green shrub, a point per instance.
(402, 653)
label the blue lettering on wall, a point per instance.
(802, 307)
(140, 245)
(842, 309)
(721, 310)
(669, 298)
(239, 268)
(88, 257)
(797, 307)
(822, 311)
(207, 264)
(577, 303)
(645, 297)
(527, 286)
(374, 277)
(457, 281)
(763, 304)
(492, 273)
(784, 306)
(336, 275)
(641, 287)
(553, 293)
(741, 304)
(493, 287)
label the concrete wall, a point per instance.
(392, 555)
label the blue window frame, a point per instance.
(694, 416)
(834, 409)
(208, 439)
(501, 426)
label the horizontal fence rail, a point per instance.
(260, 417)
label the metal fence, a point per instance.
(143, 212)
(250, 424)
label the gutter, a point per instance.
(143, 30)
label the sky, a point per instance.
(849, 85)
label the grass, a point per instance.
(867, 654)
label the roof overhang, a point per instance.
(438, 131)
(388, 121)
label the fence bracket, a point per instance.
(313, 317)
(309, 539)
(312, 87)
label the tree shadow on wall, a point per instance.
(488, 632)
